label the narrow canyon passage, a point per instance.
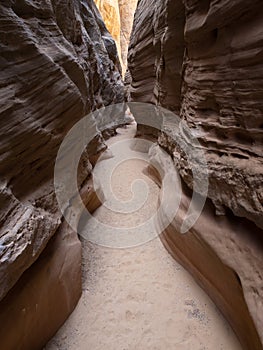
(124, 277)
(138, 297)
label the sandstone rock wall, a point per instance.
(221, 256)
(44, 296)
(118, 17)
(57, 63)
(109, 10)
(127, 10)
(224, 254)
(203, 60)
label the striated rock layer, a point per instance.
(48, 291)
(203, 60)
(57, 63)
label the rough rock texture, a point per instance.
(203, 60)
(118, 16)
(37, 306)
(156, 47)
(57, 63)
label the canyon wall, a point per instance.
(127, 9)
(57, 63)
(203, 60)
(118, 17)
(109, 10)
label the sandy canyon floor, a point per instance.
(138, 297)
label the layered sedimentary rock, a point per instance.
(157, 46)
(118, 17)
(203, 60)
(57, 62)
(48, 291)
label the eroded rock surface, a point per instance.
(58, 62)
(44, 296)
(221, 255)
(203, 60)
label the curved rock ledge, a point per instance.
(224, 260)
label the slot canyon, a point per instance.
(131, 197)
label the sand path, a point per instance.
(139, 298)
